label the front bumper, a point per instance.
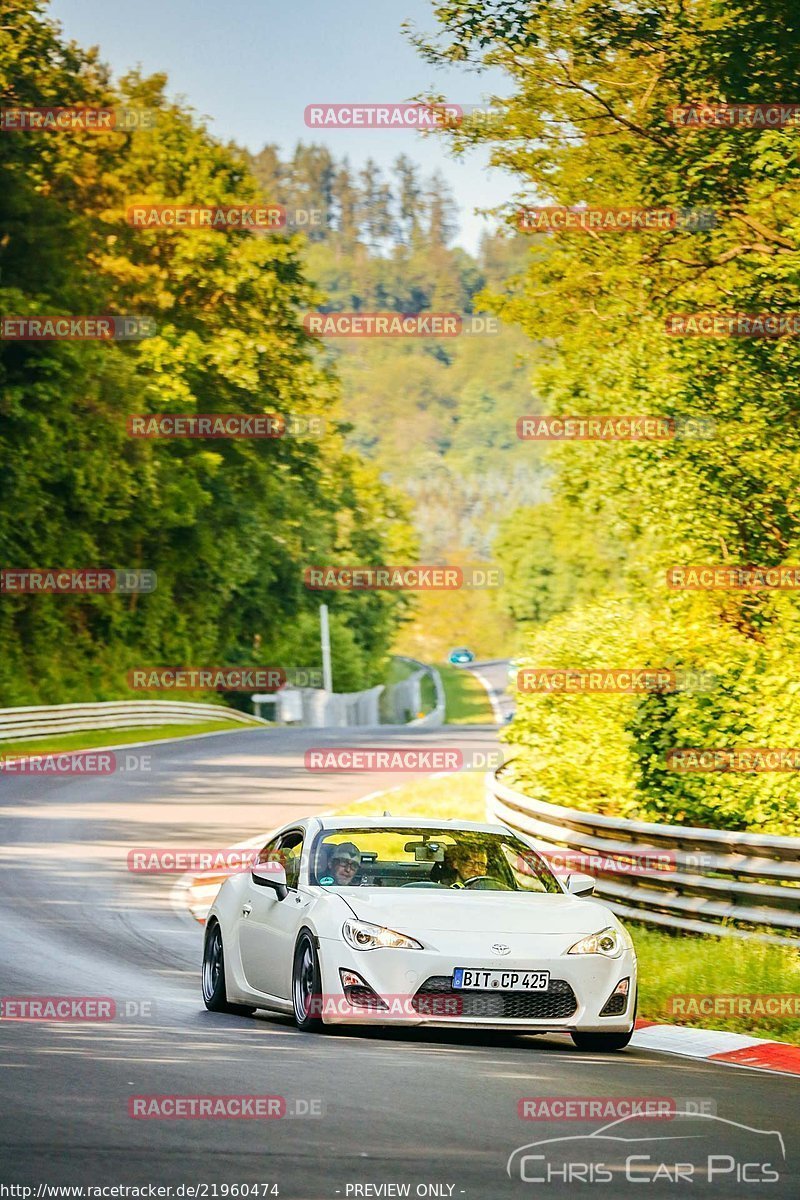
(414, 985)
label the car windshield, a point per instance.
(428, 858)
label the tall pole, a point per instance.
(325, 637)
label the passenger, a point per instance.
(344, 863)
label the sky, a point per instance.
(252, 66)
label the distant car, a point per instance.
(462, 656)
(407, 921)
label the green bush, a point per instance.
(608, 752)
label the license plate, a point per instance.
(470, 979)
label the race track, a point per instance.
(424, 1108)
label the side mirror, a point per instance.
(271, 875)
(580, 885)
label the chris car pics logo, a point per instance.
(696, 1148)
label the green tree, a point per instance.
(587, 122)
(227, 525)
(409, 200)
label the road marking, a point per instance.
(496, 709)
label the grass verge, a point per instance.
(467, 702)
(673, 967)
(428, 694)
(670, 965)
(96, 738)
(460, 796)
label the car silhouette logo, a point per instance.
(607, 1138)
(500, 948)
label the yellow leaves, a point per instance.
(210, 460)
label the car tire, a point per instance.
(306, 984)
(215, 996)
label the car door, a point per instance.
(269, 926)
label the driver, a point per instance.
(464, 862)
(343, 864)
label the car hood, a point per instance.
(418, 910)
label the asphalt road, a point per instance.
(493, 673)
(423, 1108)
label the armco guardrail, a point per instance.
(340, 710)
(715, 881)
(41, 720)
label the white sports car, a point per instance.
(418, 922)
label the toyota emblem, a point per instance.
(500, 948)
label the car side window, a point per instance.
(270, 852)
(290, 851)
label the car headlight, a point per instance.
(609, 941)
(363, 936)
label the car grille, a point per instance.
(436, 996)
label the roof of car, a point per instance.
(368, 822)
